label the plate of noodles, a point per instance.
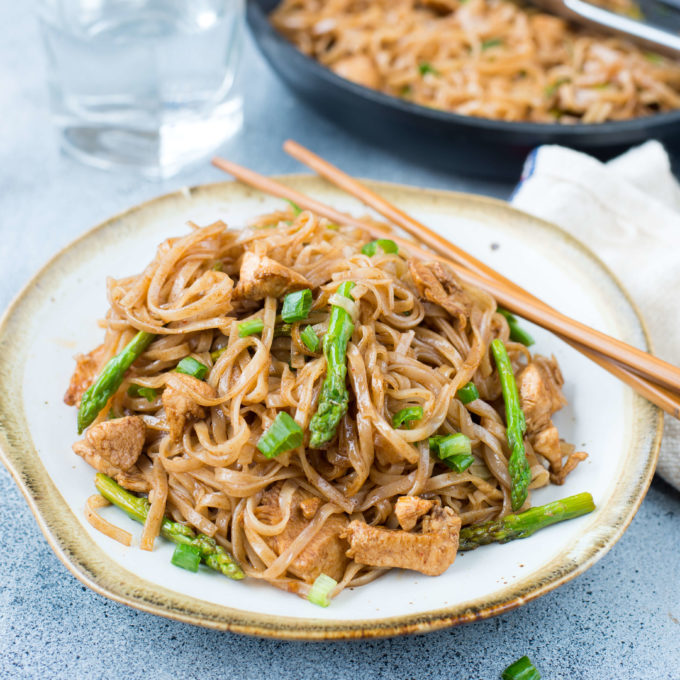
(277, 426)
(474, 84)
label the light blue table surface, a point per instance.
(619, 620)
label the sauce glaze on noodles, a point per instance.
(488, 58)
(404, 352)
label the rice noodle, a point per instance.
(490, 58)
(404, 351)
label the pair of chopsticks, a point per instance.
(653, 378)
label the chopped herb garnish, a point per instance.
(320, 590)
(453, 449)
(407, 416)
(491, 42)
(296, 305)
(517, 333)
(218, 266)
(296, 208)
(522, 669)
(186, 556)
(388, 246)
(406, 91)
(191, 366)
(149, 393)
(250, 327)
(551, 89)
(282, 435)
(467, 393)
(310, 338)
(425, 67)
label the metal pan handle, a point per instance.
(651, 38)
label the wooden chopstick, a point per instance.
(647, 365)
(657, 395)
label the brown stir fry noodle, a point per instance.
(348, 500)
(488, 58)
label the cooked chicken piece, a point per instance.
(87, 366)
(113, 447)
(324, 554)
(360, 69)
(179, 404)
(309, 506)
(409, 509)
(540, 395)
(539, 392)
(438, 283)
(262, 277)
(431, 552)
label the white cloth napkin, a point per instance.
(627, 211)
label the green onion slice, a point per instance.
(186, 556)
(193, 367)
(310, 338)
(149, 393)
(517, 333)
(296, 208)
(320, 590)
(467, 393)
(251, 327)
(406, 416)
(424, 68)
(282, 435)
(387, 245)
(491, 42)
(296, 305)
(522, 669)
(453, 449)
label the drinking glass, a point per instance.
(143, 84)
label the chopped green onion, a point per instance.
(296, 305)
(282, 330)
(654, 58)
(517, 333)
(406, 416)
(296, 208)
(186, 556)
(491, 42)
(387, 245)
(453, 449)
(218, 266)
(460, 462)
(193, 367)
(320, 590)
(310, 338)
(453, 445)
(251, 327)
(424, 67)
(467, 393)
(551, 89)
(282, 435)
(522, 669)
(149, 393)
(217, 353)
(406, 91)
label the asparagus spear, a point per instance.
(110, 378)
(137, 507)
(525, 523)
(334, 396)
(518, 466)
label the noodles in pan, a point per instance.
(488, 58)
(312, 427)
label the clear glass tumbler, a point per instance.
(143, 84)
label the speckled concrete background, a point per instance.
(619, 620)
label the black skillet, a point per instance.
(479, 146)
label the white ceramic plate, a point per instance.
(55, 317)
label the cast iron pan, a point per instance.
(492, 148)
